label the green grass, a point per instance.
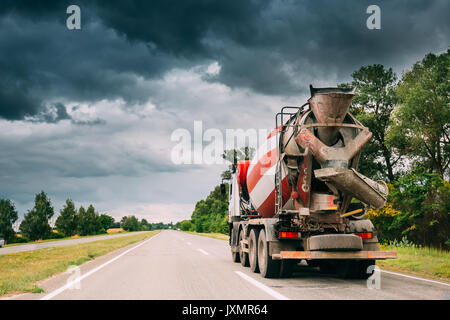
(219, 236)
(66, 238)
(427, 262)
(19, 272)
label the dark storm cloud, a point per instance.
(272, 47)
(43, 64)
(278, 47)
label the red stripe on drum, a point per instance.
(267, 208)
(260, 168)
(274, 132)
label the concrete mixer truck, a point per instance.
(302, 198)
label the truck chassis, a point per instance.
(256, 243)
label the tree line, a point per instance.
(409, 118)
(70, 221)
(410, 147)
(209, 215)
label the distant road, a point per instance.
(35, 246)
(175, 265)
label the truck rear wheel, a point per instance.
(234, 254)
(243, 256)
(253, 250)
(268, 267)
(235, 257)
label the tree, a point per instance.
(422, 120)
(67, 221)
(186, 225)
(210, 215)
(115, 224)
(35, 224)
(233, 156)
(159, 226)
(8, 216)
(372, 106)
(130, 223)
(144, 225)
(106, 221)
(81, 217)
(88, 222)
(418, 208)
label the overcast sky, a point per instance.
(88, 114)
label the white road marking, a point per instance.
(203, 251)
(263, 287)
(71, 283)
(417, 278)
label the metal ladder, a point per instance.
(278, 168)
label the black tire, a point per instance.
(268, 267)
(253, 250)
(287, 267)
(354, 269)
(363, 269)
(243, 256)
(234, 255)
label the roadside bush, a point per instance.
(56, 235)
(186, 225)
(17, 239)
(403, 243)
(417, 210)
(383, 220)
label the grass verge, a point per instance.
(60, 239)
(219, 236)
(20, 271)
(425, 262)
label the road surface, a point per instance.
(58, 243)
(176, 265)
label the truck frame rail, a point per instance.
(320, 255)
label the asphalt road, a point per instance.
(35, 246)
(176, 265)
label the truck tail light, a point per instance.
(288, 235)
(365, 235)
